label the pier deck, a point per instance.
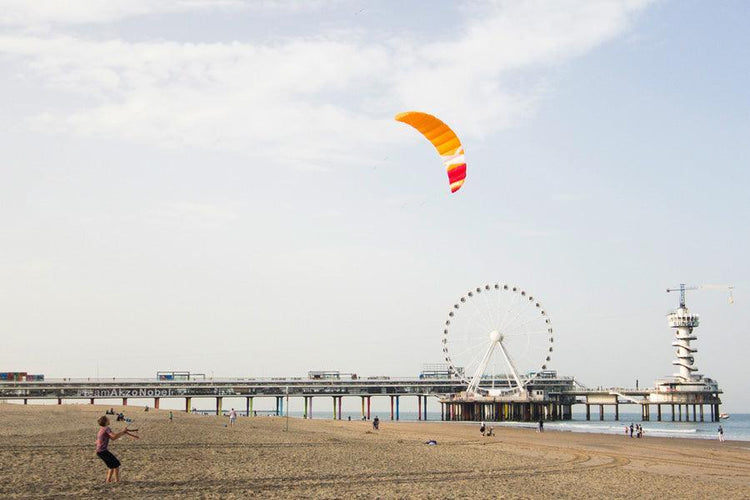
(548, 399)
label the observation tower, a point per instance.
(687, 387)
(683, 321)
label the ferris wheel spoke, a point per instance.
(470, 366)
(493, 313)
(487, 323)
(471, 348)
(511, 306)
(537, 323)
(517, 312)
(523, 317)
(523, 321)
(537, 333)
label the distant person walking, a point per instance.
(631, 429)
(482, 428)
(376, 423)
(721, 434)
(170, 417)
(232, 417)
(102, 443)
(541, 425)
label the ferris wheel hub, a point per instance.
(495, 336)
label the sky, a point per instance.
(220, 187)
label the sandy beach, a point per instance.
(48, 452)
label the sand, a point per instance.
(48, 452)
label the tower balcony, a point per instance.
(683, 320)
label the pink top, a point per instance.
(102, 439)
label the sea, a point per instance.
(736, 427)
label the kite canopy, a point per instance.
(445, 141)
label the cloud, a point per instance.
(319, 99)
(37, 13)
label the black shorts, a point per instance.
(108, 458)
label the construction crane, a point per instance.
(682, 289)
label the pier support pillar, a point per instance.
(188, 400)
(588, 411)
(218, 405)
(156, 403)
(25, 401)
(362, 416)
(601, 412)
(617, 412)
(124, 401)
(424, 408)
(397, 404)
(304, 415)
(340, 398)
(419, 407)
(658, 412)
(392, 407)
(679, 407)
(248, 405)
(91, 401)
(672, 412)
(334, 407)
(368, 407)
(717, 413)
(701, 413)
(694, 419)
(59, 401)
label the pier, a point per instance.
(279, 389)
(551, 398)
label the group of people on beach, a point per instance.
(486, 431)
(634, 429)
(120, 416)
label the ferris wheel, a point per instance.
(497, 331)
